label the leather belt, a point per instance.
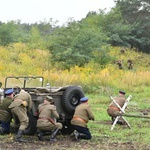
(115, 108)
(80, 119)
(47, 118)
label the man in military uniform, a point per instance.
(46, 120)
(80, 119)
(113, 109)
(5, 113)
(21, 104)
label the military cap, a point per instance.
(84, 99)
(122, 92)
(9, 91)
(49, 98)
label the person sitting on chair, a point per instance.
(113, 109)
(45, 122)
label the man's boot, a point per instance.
(19, 136)
(119, 122)
(40, 136)
(82, 136)
(76, 134)
(113, 119)
(43, 133)
(53, 135)
(2, 131)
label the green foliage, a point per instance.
(79, 43)
(136, 13)
(6, 34)
(35, 40)
(75, 45)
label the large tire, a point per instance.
(71, 98)
(31, 129)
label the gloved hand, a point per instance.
(24, 103)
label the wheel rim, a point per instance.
(74, 100)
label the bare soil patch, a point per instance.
(66, 142)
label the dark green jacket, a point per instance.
(5, 113)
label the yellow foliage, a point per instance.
(19, 60)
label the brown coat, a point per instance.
(19, 111)
(113, 109)
(47, 112)
(24, 96)
(84, 113)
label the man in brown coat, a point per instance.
(21, 104)
(5, 113)
(46, 120)
(80, 119)
(113, 109)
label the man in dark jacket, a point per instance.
(5, 113)
(80, 119)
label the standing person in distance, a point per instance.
(82, 115)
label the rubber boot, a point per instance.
(53, 135)
(119, 122)
(43, 133)
(40, 135)
(76, 134)
(2, 131)
(19, 136)
(113, 119)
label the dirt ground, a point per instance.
(63, 143)
(67, 142)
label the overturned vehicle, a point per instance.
(65, 99)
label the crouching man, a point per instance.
(113, 109)
(80, 119)
(46, 121)
(5, 113)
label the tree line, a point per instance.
(78, 42)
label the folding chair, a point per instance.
(122, 110)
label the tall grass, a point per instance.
(98, 84)
(19, 59)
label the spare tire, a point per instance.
(71, 98)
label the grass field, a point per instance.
(120, 138)
(99, 83)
